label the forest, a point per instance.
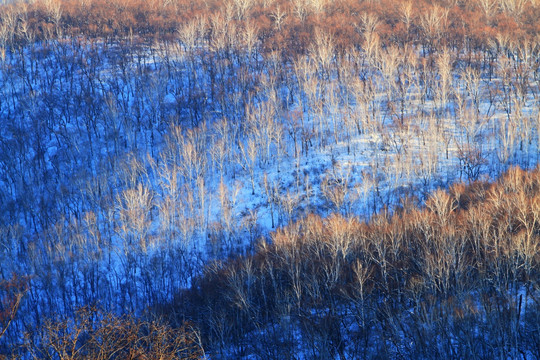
(270, 179)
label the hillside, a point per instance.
(155, 153)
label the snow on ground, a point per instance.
(128, 150)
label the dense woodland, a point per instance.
(269, 179)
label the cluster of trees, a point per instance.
(284, 24)
(76, 106)
(93, 334)
(144, 138)
(458, 278)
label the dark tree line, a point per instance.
(458, 279)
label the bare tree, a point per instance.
(12, 291)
